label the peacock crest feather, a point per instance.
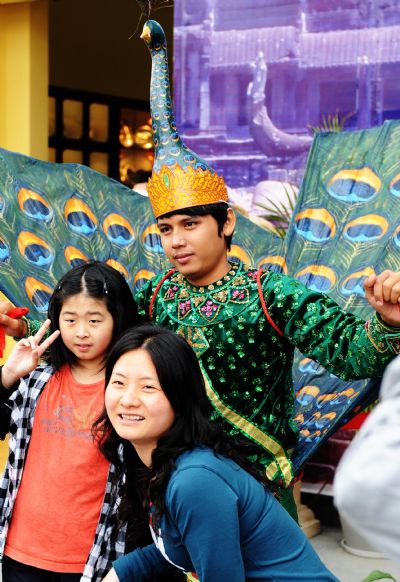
(149, 6)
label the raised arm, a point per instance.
(341, 342)
(25, 356)
(138, 566)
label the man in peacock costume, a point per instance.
(244, 323)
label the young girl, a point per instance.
(210, 511)
(55, 494)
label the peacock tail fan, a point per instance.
(56, 216)
(344, 227)
(345, 224)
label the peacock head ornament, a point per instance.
(180, 178)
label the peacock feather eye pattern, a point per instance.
(308, 366)
(353, 284)
(238, 254)
(53, 220)
(396, 237)
(5, 252)
(80, 217)
(38, 293)
(74, 256)
(326, 399)
(34, 249)
(307, 394)
(34, 205)
(118, 229)
(395, 186)
(354, 185)
(118, 267)
(317, 277)
(276, 263)
(324, 420)
(366, 228)
(141, 277)
(315, 224)
(151, 239)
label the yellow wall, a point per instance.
(24, 77)
(24, 80)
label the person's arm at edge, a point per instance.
(366, 481)
(139, 565)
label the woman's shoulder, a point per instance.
(203, 460)
(199, 455)
(209, 478)
(196, 473)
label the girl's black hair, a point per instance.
(100, 281)
(219, 211)
(180, 376)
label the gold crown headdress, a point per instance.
(180, 178)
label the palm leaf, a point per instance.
(331, 123)
(378, 575)
(280, 213)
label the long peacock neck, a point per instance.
(166, 139)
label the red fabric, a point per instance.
(356, 422)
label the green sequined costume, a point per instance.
(247, 364)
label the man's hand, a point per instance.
(383, 294)
(26, 354)
(12, 327)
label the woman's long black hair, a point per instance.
(100, 281)
(181, 379)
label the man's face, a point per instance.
(194, 247)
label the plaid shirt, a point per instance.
(108, 545)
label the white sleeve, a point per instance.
(367, 480)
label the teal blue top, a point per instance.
(222, 524)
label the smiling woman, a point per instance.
(192, 482)
(136, 404)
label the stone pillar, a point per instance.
(231, 103)
(364, 93)
(24, 77)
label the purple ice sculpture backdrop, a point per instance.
(252, 77)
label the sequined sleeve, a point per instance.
(339, 341)
(144, 296)
(32, 327)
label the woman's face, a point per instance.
(136, 404)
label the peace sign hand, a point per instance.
(25, 356)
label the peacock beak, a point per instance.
(146, 34)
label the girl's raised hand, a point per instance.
(25, 356)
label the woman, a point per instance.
(210, 512)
